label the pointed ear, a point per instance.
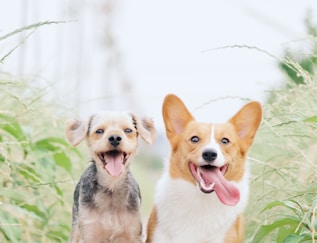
(175, 115)
(247, 122)
(76, 131)
(145, 128)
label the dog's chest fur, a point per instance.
(187, 215)
(108, 215)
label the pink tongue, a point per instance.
(114, 164)
(227, 192)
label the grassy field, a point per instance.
(39, 169)
(284, 168)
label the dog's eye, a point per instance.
(128, 130)
(225, 141)
(99, 131)
(194, 139)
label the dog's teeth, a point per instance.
(211, 187)
(202, 182)
(198, 172)
(199, 176)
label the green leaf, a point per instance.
(29, 173)
(58, 233)
(283, 233)
(265, 230)
(62, 160)
(311, 119)
(294, 239)
(57, 236)
(59, 192)
(53, 144)
(292, 205)
(15, 195)
(10, 227)
(47, 144)
(36, 210)
(9, 125)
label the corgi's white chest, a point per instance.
(188, 215)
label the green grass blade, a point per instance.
(30, 27)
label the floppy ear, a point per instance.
(175, 115)
(145, 128)
(76, 131)
(247, 121)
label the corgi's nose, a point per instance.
(114, 140)
(209, 155)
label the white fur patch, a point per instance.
(220, 160)
(187, 215)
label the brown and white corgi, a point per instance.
(201, 196)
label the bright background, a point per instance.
(127, 55)
(124, 54)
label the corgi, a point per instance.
(201, 195)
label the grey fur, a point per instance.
(87, 187)
(128, 196)
(106, 205)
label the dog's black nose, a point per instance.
(209, 155)
(114, 140)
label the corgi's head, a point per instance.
(211, 156)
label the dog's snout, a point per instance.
(209, 155)
(114, 140)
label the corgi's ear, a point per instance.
(145, 128)
(76, 131)
(247, 121)
(175, 115)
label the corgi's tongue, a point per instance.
(114, 163)
(212, 179)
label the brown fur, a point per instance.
(107, 206)
(181, 127)
(152, 222)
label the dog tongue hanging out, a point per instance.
(203, 192)
(107, 198)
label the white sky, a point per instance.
(163, 50)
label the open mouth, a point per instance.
(211, 179)
(113, 161)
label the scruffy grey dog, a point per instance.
(107, 198)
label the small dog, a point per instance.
(107, 198)
(202, 194)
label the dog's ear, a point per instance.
(247, 121)
(175, 115)
(145, 128)
(76, 131)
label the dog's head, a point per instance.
(210, 155)
(112, 138)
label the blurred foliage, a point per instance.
(298, 66)
(35, 161)
(35, 164)
(284, 172)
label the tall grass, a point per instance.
(284, 168)
(36, 164)
(283, 201)
(38, 169)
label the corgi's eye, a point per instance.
(99, 131)
(127, 130)
(194, 139)
(225, 141)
